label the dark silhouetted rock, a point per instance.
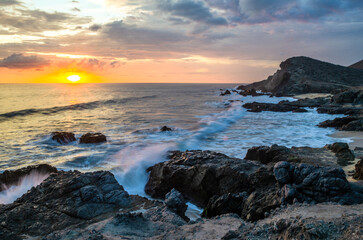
(258, 107)
(337, 122)
(227, 92)
(334, 109)
(93, 138)
(265, 154)
(250, 92)
(357, 65)
(356, 125)
(348, 96)
(199, 175)
(299, 75)
(165, 129)
(358, 174)
(176, 202)
(12, 177)
(314, 184)
(62, 200)
(63, 137)
(342, 152)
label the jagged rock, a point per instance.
(227, 92)
(299, 75)
(250, 92)
(199, 175)
(265, 154)
(176, 202)
(8, 178)
(63, 137)
(93, 138)
(62, 200)
(165, 129)
(358, 174)
(340, 110)
(259, 107)
(356, 125)
(337, 123)
(348, 96)
(342, 152)
(314, 184)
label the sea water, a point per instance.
(130, 115)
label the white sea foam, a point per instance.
(130, 164)
(11, 193)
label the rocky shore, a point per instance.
(275, 192)
(270, 193)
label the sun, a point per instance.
(74, 78)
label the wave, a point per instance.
(78, 107)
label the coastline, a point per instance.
(355, 136)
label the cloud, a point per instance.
(9, 2)
(19, 61)
(75, 9)
(193, 10)
(95, 27)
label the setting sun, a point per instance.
(74, 78)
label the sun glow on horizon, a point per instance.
(74, 78)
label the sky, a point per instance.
(172, 41)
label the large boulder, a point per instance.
(356, 125)
(13, 177)
(63, 137)
(348, 96)
(281, 107)
(344, 155)
(199, 175)
(93, 138)
(300, 75)
(314, 184)
(265, 154)
(337, 123)
(62, 200)
(175, 201)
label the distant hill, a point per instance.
(357, 65)
(299, 75)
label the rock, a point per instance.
(348, 96)
(258, 107)
(12, 177)
(342, 152)
(199, 175)
(300, 110)
(334, 109)
(314, 184)
(63, 137)
(265, 154)
(250, 92)
(227, 203)
(358, 174)
(300, 75)
(176, 202)
(165, 129)
(62, 200)
(227, 92)
(337, 123)
(356, 125)
(357, 65)
(93, 138)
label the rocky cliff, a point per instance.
(300, 75)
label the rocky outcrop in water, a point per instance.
(165, 129)
(299, 75)
(92, 138)
(9, 178)
(63, 137)
(259, 107)
(199, 175)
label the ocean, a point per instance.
(130, 115)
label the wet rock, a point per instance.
(300, 110)
(63, 137)
(358, 174)
(265, 154)
(62, 200)
(337, 123)
(340, 110)
(93, 138)
(258, 107)
(250, 92)
(227, 203)
(356, 125)
(12, 177)
(227, 92)
(176, 202)
(199, 175)
(165, 129)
